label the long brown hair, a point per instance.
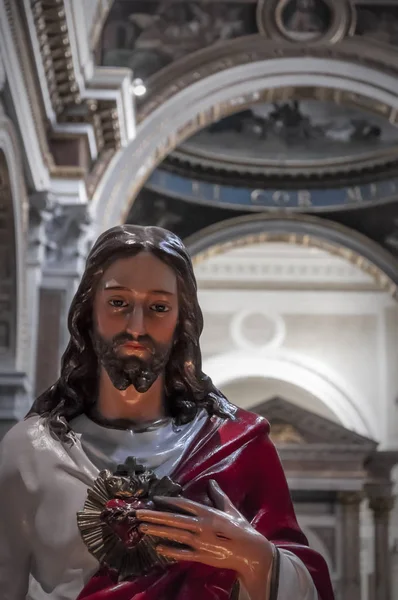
(187, 387)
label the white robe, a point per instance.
(43, 484)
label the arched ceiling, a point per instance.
(313, 127)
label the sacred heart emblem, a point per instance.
(108, 524)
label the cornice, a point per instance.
(199, 65)
(61, 99)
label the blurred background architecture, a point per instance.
(265, 134)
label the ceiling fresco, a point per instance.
(378, 21)
(148, 35)
(296, 150)
(293, 134)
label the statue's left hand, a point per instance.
(219, 537)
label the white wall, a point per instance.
(330, 344)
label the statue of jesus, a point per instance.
(133, 477)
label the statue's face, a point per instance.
(135, 318)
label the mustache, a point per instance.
(144, 340)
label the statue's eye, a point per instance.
(118, 303)
(160, 307)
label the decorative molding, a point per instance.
(243, 197)
(68, 102)
(268, 270)
(268, 332)
(342, 21)
(201, 89)
(8, 271)
(98, 109)
(302, 230)
(351, 499)
(16, 229)
(321, 382)
(41, 206)
(52, 33)
(242, 51)
(103, 8)
(381, 506)
(19, 72)
(68, 238)
(314, 429)
(3, 76)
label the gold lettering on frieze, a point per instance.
(257, 195)
(373, 190)
(354, 194)
(393, 187)
(216, 192)
(280, 197)
(195, 187)
(304, 198)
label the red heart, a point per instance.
(120, 516)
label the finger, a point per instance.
(169, 533)
(170, 519)
(188, 506)
(178, 554)
(220, 499)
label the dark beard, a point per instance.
(125, 371)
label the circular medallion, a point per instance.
(108, 524)
(306, 21)
(257, 330)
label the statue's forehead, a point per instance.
(141, 272)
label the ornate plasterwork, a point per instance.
(301, 230)
(68, 238)
(303, 145)
(68, 102)
(14, 356)
(8, 290)
(65, 101)
(255, 48)
(315, 21)
(271, 271)
(19, 73)
(52, 31)
(312, 428)
(205, 88)
(314, 448)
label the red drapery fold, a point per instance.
(240, 456)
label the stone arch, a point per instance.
(302, 230)
(204, 88)
(13, 230)
(337, 395)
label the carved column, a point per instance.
(381, 507)
(14, 384)
(68, 239)
(40, 206)
(379, 491)
(350, 503)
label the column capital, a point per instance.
(41, 205)
(380, 465)
(352, 499)
(15, 392)
(381, 505)
(69, 235)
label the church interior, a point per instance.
(265, 134)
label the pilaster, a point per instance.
(350, 587)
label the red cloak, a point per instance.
(240, 456)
